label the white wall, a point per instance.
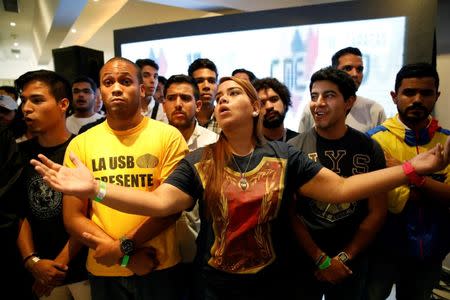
(442, 108)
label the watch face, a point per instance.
(343, 257)
(126, 246)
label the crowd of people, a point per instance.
(192, 187)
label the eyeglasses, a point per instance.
(84, 91)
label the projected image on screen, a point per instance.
(291, 54)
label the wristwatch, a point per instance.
(126, 245)
(343, 257)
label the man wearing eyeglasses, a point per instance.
(83, 104)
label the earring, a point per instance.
(255, 114)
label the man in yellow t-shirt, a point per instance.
(135, 151)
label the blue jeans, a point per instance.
(157, 285)
(414, 279)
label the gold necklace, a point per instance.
(243, 183)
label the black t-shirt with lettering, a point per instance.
(333, 226)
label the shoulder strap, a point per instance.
(155, 110)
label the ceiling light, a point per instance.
(16, 44)
(12, 24)
(73, 30)
(17, 55)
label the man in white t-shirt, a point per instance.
(83, 104)
(365, 113)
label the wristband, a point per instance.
(413, 178)
(125, 260)
(101, 191)
(325, 264)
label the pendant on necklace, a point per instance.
(243, 183)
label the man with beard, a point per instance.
(365, 113)
(83, 104)
(182, 102)
(275, 101)
(415, 238)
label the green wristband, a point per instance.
(326, 263)
(101, 191)
(125, 260)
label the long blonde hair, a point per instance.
(217, 156)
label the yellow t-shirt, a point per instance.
(141, 158)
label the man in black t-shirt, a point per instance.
(275, 101)
(56, 260)
(334, 237)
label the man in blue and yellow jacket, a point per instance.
(415, 238)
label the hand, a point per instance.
(143, 261)
(433, 160)
(76, 181)
(107, 250)
(335, 273)
(48, 272)
(41, 290)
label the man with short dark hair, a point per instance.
(54, 258)
(8, 110)
(244, 74)
(9, 91)
(204, 71)
(83, 104)
(150, 107)
(128, 149)
(365, 113)
(415, 238)
(182, 102)
(334, 237)
(275, 100)
(159, 93)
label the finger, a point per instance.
(74, 158)
(348, 270)
(49, 163)
(91, 239)
(447, 150)
(61, 267)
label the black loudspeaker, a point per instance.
(75, 61)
